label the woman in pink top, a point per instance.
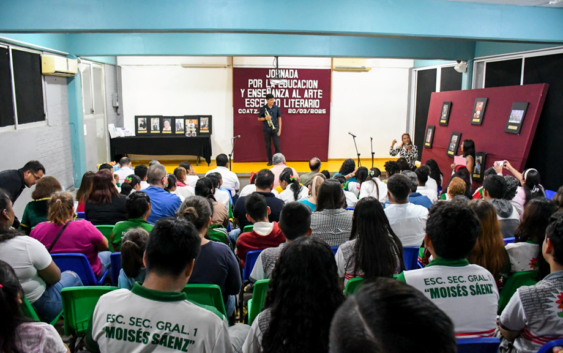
(78, 237)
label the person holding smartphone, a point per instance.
(406, 149)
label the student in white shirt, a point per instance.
(141, 171)
(422, 174)
(435, 177)
(466, 293)
(351, 198)
(230, 179)
(220, 195)
(124, 169)
(369, 184)
(158, 311)
(182, 188)
(191, 175)
(407, 220)
(292, 190)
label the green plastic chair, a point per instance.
(256, 304)
(218, 233)
(206, 294)
(78, 307)
(248, 228)
(515, 281)
(353, 285)
(28, 311)
(106, 231)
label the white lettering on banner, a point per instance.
(283, 74)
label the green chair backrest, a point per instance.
(106, 231)
(218, 233)
(515, 281)
(248, 228)
(78, 307)
(258, 298)
(353, 285)
(206, 294)
(28, 311)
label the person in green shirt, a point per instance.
(36, 211)
(315, 166)
(138, 208)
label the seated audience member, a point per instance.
(331, 222)
(39, 276)
(163, 203)
(264, 234)
(132, 266)
(392, 168)
(221, 195)
(489, 251)
(403, 164)
(141, 171)
(182, 189)
(314, 187)
(171, 186)
(515, 194)
(124, 169)
(216, 263)
(530, 180)
(250, 188)
(436, 176)
(169, 260)
(532, 316)
(374, 250)
(295, 222)
(422, 175)
(279, 165)
(347, 170)
(366, 186)
(451, 233)
(230, 179)
(462, 173)
(220, 214)
(525, 252)
(153, 162)
(78, 236)
(415, 197)
(494, 189)
(292, 190)
(264, 185)
(36, 210)
(138, 208)
(315, 167)
(455, 190)
(191, 175)
(351, 198)
(406, 219)
(106, 166)
(368, 322)
(19, 333)
(304, 295)
(130, 184)
(104, 205)
(558, 198)
(326, 174)
(478, 194)
(84, 190)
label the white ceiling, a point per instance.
(518, 2)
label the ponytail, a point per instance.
(196, 210)
(132, 250)
(61, 208)
(204, 188)
(362, 174)
(287, 176)
(532, 185)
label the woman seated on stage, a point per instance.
(314, 187)
(292, 190)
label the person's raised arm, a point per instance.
(50, 274)
(516, 173)
(392, 150)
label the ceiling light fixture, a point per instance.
(553, 2)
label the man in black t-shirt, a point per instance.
(270, 116)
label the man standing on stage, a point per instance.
(270, 116)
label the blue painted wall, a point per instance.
(57, 41)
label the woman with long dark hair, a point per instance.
(134, 243)
(104, 204)
(373, 249)
(331, 222)
(488, 251)
(347, 170)
(530, 180)
(292, 190)
(406, 149)
(368, 185)
(84, 190)
(526, 252)
(17, 332)
(204, 188)
(302, 298)
(436, 176)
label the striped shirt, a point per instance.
(332, 225)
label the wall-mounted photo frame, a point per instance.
(479, 111)
(167, 125)
(516, 117)
(154, 126)
(179, 127)
(192, 126)
(429, 136)
(205, 125)
(141, 125)
(445, 115)
(454, 143)
(479, 166)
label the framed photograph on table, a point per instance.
(429, 136)
(141, 125)
(179, 126)
(445, 115)
(167, 125)
(205, 125)
(154, 125)
(479, 111)
(454, 143)
(479, 167)
(192, 125)
(516, 118)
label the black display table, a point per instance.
(162, 145)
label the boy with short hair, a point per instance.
(295, 222)
(156, 316)
(466, 293)
(494, 188)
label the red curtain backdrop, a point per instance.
(305, 113)
(490, 136)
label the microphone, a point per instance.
(236, 137)
(351, 134)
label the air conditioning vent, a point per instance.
(58, 66)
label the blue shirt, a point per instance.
(163, 203)
(274, 112)
(311, 205)
(128, 282)
(417, 199)
(352, 179)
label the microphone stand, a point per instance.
(354, 137)
(233, 141)
(372, 153)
